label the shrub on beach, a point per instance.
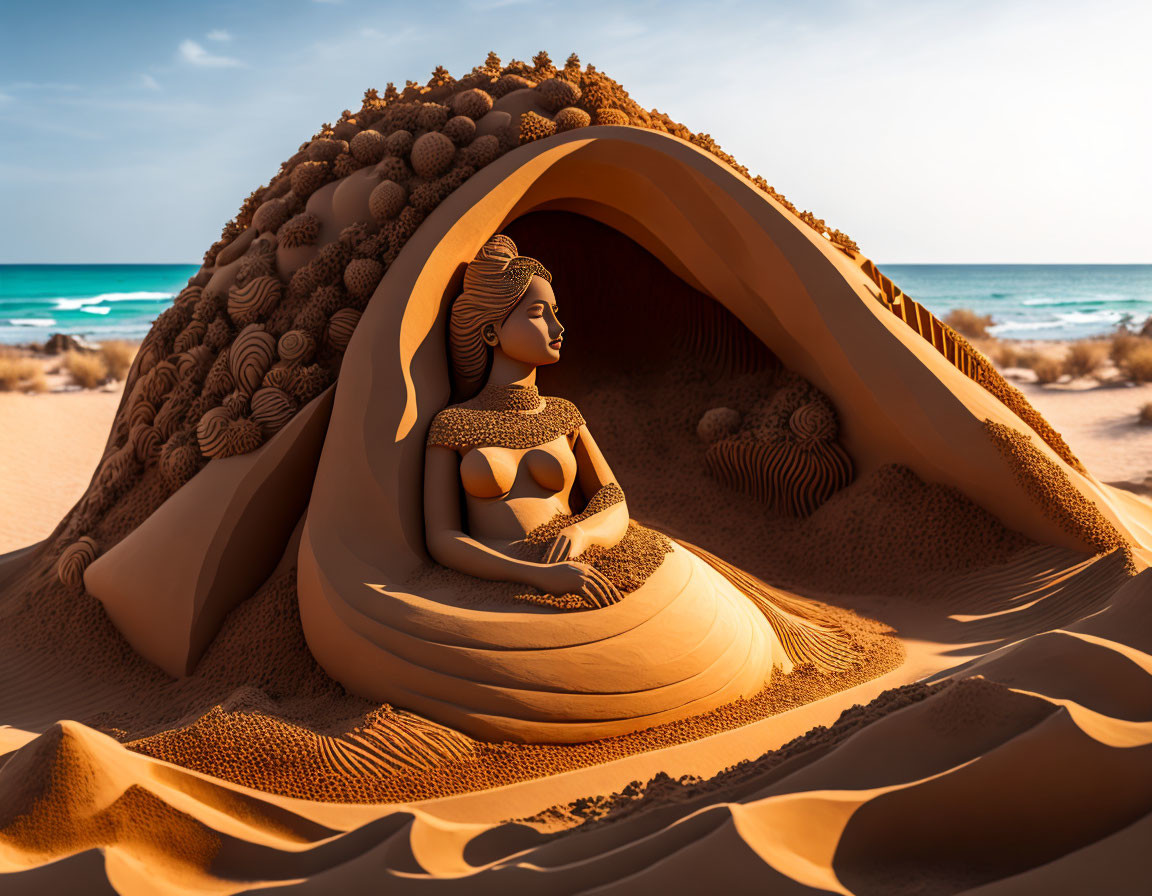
(19, 373)
(87, 369)
(968, 323)
(1003, 354)
(118, 355)
(1137, 363)
(1122, 345)
(1085, 358)
(1046, 368)
(1146, 414)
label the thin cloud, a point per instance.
(149, 82)
(193, 53)
(42, 85)
(219, 34)
(487, 5)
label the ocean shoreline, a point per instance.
(1026, 301)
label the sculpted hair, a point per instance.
(494, 282)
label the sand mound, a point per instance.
(976, 710)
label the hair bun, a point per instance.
(499, 247)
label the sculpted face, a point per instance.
(531, 333)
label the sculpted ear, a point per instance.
(488, 334)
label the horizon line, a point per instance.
(49, 264)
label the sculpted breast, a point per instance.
(491, 472)
(488, 472)
(549, 471)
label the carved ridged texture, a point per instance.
(211, 432)
(295, 347)
(249, 303)
(806, 635)
(341, 326)
(713, 332)
(250, 357)
(272, 408)
(395, 743)
(791, 477)
(75, 560)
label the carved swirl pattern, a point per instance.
(340, 327)
(222, 435)
(193, 362)
(272, 408)
(295, 347)
(160, 380)
(249, 303)
(813, 422)
(75, 559)
(142, 411)
(191, 335)
(210, 432)
(250, 356)
(145, 442)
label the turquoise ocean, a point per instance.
(1026, 301)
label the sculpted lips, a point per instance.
(555, 343)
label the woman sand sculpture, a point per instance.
(668, 630)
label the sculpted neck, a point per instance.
(510, 372)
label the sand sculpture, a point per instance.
(543, 509)
(913, 589)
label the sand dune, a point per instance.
(981, 778)
(980, 774)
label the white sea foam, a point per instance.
(94, 310)
(1013, 325)
(1099, 298)
(1090, 317)
(32, 321)
(74, 303)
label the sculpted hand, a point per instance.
(569, 542)
(578, 578)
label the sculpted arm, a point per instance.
(605, 527)
(451, 546)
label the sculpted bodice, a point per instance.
(517, 465)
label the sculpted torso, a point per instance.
(518, 460)
(509, 492)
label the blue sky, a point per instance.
(930, 132)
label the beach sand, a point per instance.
(50, 444)
(1097, 416)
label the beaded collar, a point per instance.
(506, 417)
(507, 398)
